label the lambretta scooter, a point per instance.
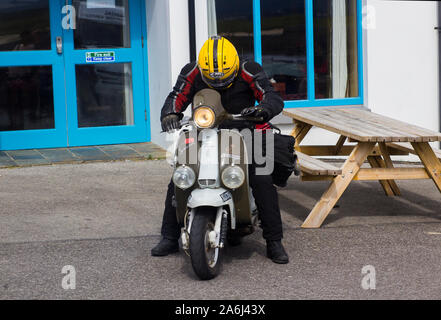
(213, 199)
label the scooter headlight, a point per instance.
(204, 117)
(233, 177)
(184, 177)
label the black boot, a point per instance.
(276, 252)
(165, 247)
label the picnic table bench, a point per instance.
(313, 166)
(376, 139)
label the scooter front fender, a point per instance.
(218, 197)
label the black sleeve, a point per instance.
(264, 93)
(183, 91)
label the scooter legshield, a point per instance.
(186, 154)
(232, 150)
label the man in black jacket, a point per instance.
(240, 86)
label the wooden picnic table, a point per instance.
(376, 138)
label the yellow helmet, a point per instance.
(218, 62)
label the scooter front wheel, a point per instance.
(204, 258)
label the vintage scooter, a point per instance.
(213, 199)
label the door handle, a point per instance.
(59, 41)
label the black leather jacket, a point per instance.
(250, 85)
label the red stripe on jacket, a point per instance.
(182, 97)
(263, 127)
(258, 94)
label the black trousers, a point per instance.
(267, 201)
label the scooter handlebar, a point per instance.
(231, 117)
(239, 117)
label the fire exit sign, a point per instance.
(107, 56)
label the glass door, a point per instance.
(32, 98)
(105, 74)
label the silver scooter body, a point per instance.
(231, 210)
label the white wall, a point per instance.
(179, 36)
(201, 23)
(402, 59)
(168, 52)
(159, 57)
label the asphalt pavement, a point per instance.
(85, 231)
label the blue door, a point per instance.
(74, 73)
(32, 95)
(104, 73)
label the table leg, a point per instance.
(300, 130)
(390, 187)
(374, 161)
(341, 141)
(338, 185)
(387, 163)
(430, 161)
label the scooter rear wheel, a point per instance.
(204, 259)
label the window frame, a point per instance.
(311, 101)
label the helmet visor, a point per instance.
(219, 83)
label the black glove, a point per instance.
(170, 122)
(256, 111)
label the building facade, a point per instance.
(91, 72)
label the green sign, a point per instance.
(107, 56)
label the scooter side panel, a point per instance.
(232, 149)
(186, 154)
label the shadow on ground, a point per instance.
(363, 199)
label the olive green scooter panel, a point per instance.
(186, 153)
(232, 150)
(212, 99)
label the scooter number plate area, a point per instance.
(225, 196)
